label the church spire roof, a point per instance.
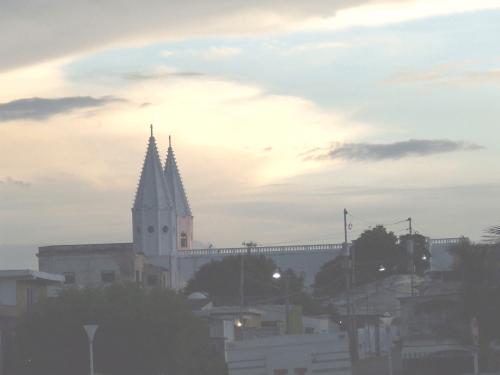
(174, 183)
(152, 191)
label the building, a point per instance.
(435, 332)
(19, 290)
(290, 355)
(100, 265)
(163, 230)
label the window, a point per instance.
(138, 276)
(69, 277)
(108, 276)
(165, 229)
(184, 240)
(151, 229)
(152, 280)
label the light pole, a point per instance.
(90, 329)
(387, 321)
(277, 275)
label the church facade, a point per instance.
(162, 231)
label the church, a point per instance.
(162, 252)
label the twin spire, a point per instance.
(158, 187)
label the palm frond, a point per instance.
(492, 234)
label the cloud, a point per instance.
(454, 73)
(33, 32)
(167, 53)
(308, 47)
(216, 53)
(384, 151)
(9, 181)
(137, 76)
(43, 108)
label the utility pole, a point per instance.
(287, 304)
(411, 257)
(351, 323)
(249, 246)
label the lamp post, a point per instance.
(386, 320)
(277, 275)
(91, 329)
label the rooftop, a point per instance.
(30, 275)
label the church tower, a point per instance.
(184, 217)
(153, 215)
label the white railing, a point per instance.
(447, 241)
(291, 248)
(263, 249)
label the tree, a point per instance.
(492, 234)
(375, 248)
(331, 278)
(478, 268)
(140, 332)
(221, 280)
(421, 253)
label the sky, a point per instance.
(282, 114)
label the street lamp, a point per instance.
(277, 274)
(381, 268)
(91, 329)
(386, 320)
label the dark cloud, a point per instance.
(384, 151)
(42, 108)
(42, 30)
(9, 181)
(136, 76)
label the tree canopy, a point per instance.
(221, 280)
(140, 332)
(477, 266)
(374, 249)
(421, 252)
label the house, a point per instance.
(19, 290)
(97, 265)
(435, 332)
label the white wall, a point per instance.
(326, 354)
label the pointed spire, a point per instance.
(174, 183)
(152, 190)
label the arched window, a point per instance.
(151, 229)
(184, 240)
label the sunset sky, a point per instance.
(281, 113)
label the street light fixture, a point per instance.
(277, 275)
(381, 268)
(91, 329)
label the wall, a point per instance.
(87, 263)
(290, 355)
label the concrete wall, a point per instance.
(290, 355)
(88, 262)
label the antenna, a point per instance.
(151, 127)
